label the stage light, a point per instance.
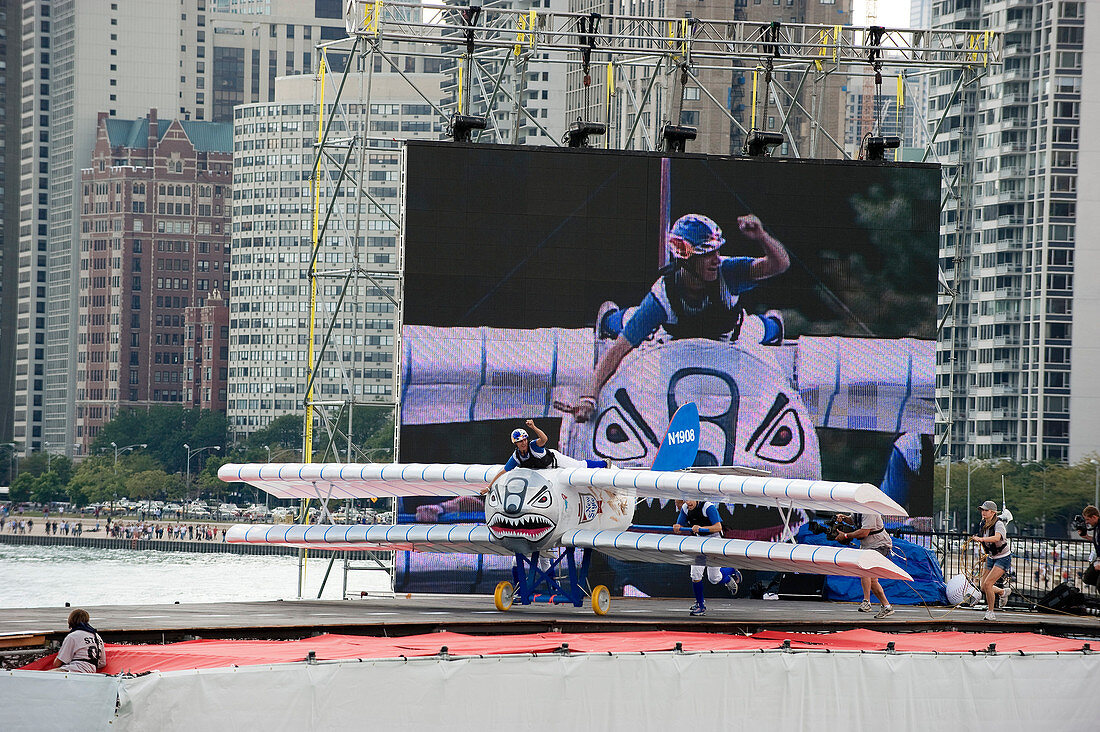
(463, 124)
(578, 132)
(877, 146)
(759, 144)
(676, 137)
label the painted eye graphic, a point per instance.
(494, 498)
(542, 499)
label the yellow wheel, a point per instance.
(503, 596)
(601, 600)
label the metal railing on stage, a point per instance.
(1039, 564)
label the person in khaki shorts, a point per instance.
(872, 535)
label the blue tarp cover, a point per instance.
(927, 585)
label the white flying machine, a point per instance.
(528, 512)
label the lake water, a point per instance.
(48, 576)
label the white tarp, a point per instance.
(722, 690)
(51, 700)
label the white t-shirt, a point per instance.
(83, 652)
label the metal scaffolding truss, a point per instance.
(482, 43)
(723, 43)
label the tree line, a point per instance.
(1054, 490)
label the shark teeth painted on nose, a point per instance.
(530, 526)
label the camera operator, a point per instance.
(872, 535)
(1091, 516)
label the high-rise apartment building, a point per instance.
(733, 89)
(1084, 401)
(189, 59)
(154, 245)
(1009, 231)
(272, 239)
(10, 86)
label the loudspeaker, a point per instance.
(795, 586)
(1064, 598)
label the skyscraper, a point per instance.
(154, 243)
(1009, 230)
(272, 238)
(189, 59)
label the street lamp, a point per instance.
(117, 451)
(47, 456)
(1096, 500)
(971, 465)
(1044, 493)
(191, 453)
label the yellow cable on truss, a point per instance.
(608, 97)
(752, 119)
(900, 105)
(307, 428)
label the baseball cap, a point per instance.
(988, 506)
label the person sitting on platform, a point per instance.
(872, 535)
(698, 516)
(82, 650)
(1091, 575)
(992, 536)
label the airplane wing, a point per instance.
(817, 495)
(761, 555)
(356, 480)
(443, 538)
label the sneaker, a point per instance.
(1002, 601)
(604, 327)
(773, 327)
(885, 612)
(990, 616)
(865, 607)
(698, 609)
(733, 581)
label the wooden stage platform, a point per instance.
(415, 614)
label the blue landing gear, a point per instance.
(531, 584)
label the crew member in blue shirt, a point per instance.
(696, 517)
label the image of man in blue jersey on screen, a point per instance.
(696, 296)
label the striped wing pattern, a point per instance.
(444, 538)
(818, 495)
(359, 480)
(718, 552)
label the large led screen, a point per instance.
(596, 291)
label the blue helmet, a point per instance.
(518, 435)
(694, 234)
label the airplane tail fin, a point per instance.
(681, 442)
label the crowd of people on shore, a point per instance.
(174, 532)
(115, 529)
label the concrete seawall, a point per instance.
(163, 545)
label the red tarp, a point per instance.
(225, 653)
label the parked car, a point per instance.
(229, 510)
(343, 515)
(257, 513)
(282, 515)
